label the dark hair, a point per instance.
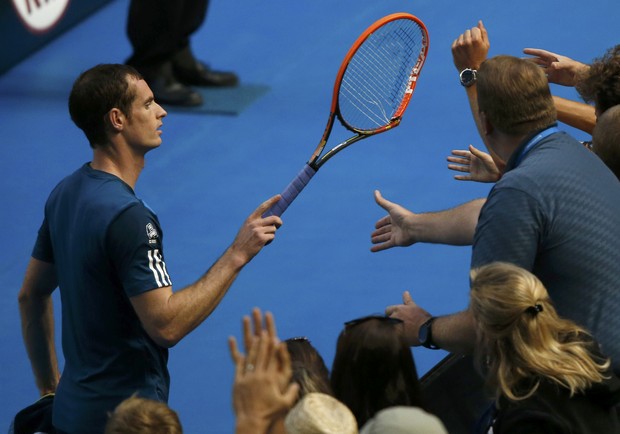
(96, 92)
(514, 95)
(601, 83)
(309, 370)
(373, 368)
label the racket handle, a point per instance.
(291, 191)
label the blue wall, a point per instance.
(27, 25)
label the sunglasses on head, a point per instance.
(388, 319)
(298, 339)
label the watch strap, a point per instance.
(428, 341)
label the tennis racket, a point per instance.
(372, 90)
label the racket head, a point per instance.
(379, 74)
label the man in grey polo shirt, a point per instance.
(555, 211)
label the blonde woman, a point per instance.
(546, 373)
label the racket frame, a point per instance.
(316, 160)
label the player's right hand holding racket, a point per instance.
(372, 90)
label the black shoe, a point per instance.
(190, 71)
(168, 90)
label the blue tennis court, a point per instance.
(218, 163)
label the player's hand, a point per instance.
(394, 229)
(412, 315)
(470, 49)
(559, 69)
(478, 165)
(256, 231)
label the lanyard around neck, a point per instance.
(534, 141)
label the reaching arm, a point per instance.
(469, 50)
(576, 114)
(168, 316)
(454, 333)
(37, 322)
(401, 227)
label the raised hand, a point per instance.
(559, 69)
(478, 165)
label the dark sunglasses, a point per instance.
(298, 339)
(388, 319)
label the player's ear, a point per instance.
(115, 119)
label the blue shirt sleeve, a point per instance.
(135, 243)
(43, 246)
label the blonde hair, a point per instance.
(521, 338)
(143, 416)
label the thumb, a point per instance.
(383, 203)
(291, 394)
(476, 152)
(407, 298)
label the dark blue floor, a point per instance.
(213, 170)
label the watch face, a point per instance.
(468, 77)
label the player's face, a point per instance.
(145, 121)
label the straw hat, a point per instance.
(403, 420)
(318, 413)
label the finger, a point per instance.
(291, 395)
(477, 152)
(476, 34)
(235, 354)
(270, 325)
(463, 177)
(461, 152)
(392, 309)
(380, 239)
(272, 221)
(381, 247)
(266, 205)
(383, 221)
(284, 362)
(483, 31)
(382, 230)
(459, 159)
(548, 56)
(251, 358)
(467, 35)
(264, 353)
(257, 320)
(459, 168)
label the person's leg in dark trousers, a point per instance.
(157, 32)
(160, 31)
(187, 69)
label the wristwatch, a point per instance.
(425, 334)
(468, 77)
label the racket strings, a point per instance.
(377, 77)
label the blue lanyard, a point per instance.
(533, 142)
